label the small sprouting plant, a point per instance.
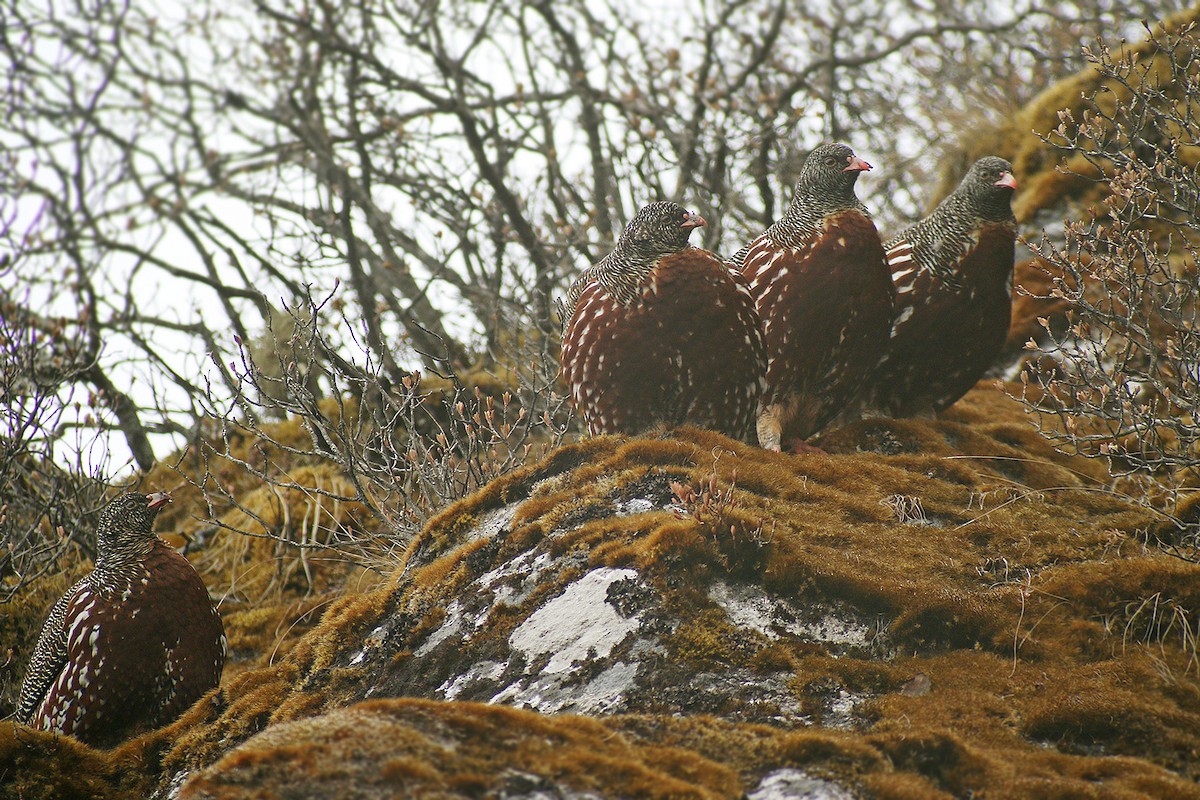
(707, 502)
(906, 509)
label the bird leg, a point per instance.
(770, 427)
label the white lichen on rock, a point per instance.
(750, 606)
(795, 784)
(577, 622)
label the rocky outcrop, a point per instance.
(931, 608)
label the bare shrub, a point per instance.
(48, 497)
(1122, 382)
(401, 451)
(448, 166)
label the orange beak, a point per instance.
(857, 165)
(1008, 180)
(157, 500)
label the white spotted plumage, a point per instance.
(809, 272)
(70, 686)
(644, 300)
(953, 295)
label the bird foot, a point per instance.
(801, 447)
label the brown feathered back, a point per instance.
(131, 645)
(659, 332)
(821, 287)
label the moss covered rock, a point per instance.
(929, 608)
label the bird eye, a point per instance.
(830, 160)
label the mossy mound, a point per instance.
(931, 607)
(1039, 168)
(39, 766)
(423, 748)
(426, 748)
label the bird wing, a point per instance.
(904, 278)
(49, 656)
(566, 308)
(738, 260)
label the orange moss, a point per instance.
(1042, 184)
(447, 572)
(708, 638)
(345, 625)
(465, 747)
(1009, 591)
(38, 766)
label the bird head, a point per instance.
(831, 169)
(660, 229)
(128, 520)
(989, 187)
